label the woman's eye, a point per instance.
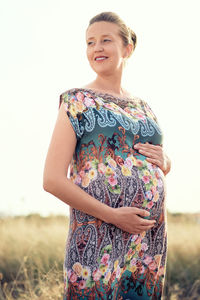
(105, 40)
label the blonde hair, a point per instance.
(127, 34)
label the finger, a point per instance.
(154, 161)
(147, 153)
(145, 222)
(135, 232)
(143, 229)
(153, 152)
(141, 212)
(138, 230)
(148, 146)
(148, 228)
(152, 146)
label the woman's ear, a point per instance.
(128, 52)
(129, 49)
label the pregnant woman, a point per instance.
(111, 140)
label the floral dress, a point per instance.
(101, 260)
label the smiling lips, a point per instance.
(100, 58)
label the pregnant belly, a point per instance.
(151, 193)
(129, 182)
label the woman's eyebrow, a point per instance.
(102, 36)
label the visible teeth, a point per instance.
(100, 58)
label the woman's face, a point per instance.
(104, 42)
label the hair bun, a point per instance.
(133, 37)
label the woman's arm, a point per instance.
(71, 194)
(55, 181)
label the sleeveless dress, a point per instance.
(101, 260)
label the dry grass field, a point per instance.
(32, 254)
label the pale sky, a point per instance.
(43, 53)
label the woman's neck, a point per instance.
(109, 85)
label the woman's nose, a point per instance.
(98, 47)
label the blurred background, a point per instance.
(43, 53)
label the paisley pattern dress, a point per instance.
(101, 260)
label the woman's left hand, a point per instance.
(155, 155)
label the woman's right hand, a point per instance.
(128, 219)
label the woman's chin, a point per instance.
(103, 71)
